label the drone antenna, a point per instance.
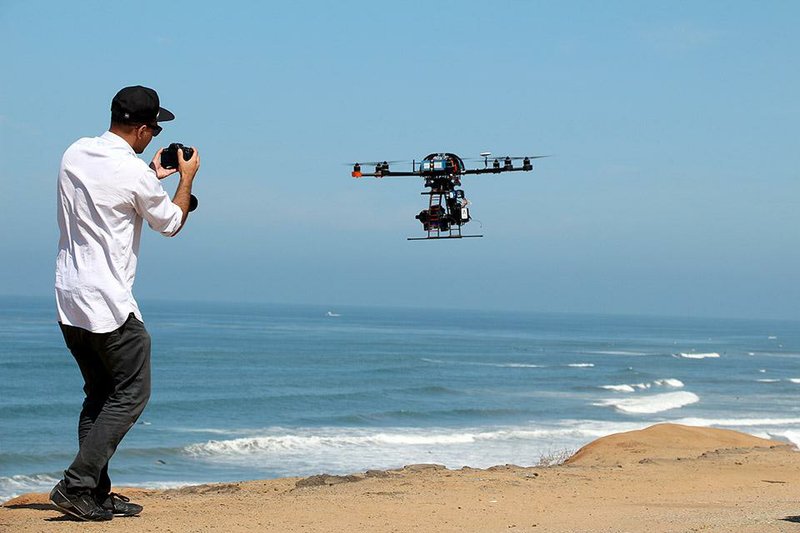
(413, 165)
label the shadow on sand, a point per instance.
(44, 507)
(36, 506)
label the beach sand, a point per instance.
(664, 478)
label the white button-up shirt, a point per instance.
(104, 192)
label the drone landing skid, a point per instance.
(441, 237)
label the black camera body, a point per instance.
(169, 156)
(169, 159)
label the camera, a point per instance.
(169, 156)
(169, 159)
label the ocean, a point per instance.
(247, 391)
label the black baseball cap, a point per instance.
(138, 105)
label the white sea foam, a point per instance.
(615, 352)
(780, 353)
(771, 428)
(278, 443)
(669, 382)
(479, 363)
(738, 422)
(341, 450)
(345, 450)
(211, 431)
(786, 429)
(581, 365)
(632, 387)
(792, 436)
(794, 380)
(11, 487)
(767, 380)
(655, 403)
(692, 355)
(619, 388)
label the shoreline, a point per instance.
(664, 478)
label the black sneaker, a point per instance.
(120, 505)
(80, 506)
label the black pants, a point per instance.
(116, 375)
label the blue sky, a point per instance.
(673, 125)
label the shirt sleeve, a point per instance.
(154, 205)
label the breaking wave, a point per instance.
(692, 355)
(13, 486)
(478, 363)
(615, 352)
(633, 387)
(346, 450)
(656, 403)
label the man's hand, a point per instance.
(189, 168)
(183, 194)
(160, 171)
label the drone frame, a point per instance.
(442, 173)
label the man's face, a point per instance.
(145, 134)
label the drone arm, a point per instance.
(388, 174)
(393, 174)
(491, 170)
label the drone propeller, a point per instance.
(368, 163)
(502, 158)
(520, 158)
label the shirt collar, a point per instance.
(117, 140)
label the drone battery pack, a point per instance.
(436, 164)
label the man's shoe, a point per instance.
(81, 506)
(120, 505)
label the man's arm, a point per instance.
(183, 194)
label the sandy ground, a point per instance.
(664, 478)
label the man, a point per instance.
(104, 194)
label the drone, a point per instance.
(447, 207)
